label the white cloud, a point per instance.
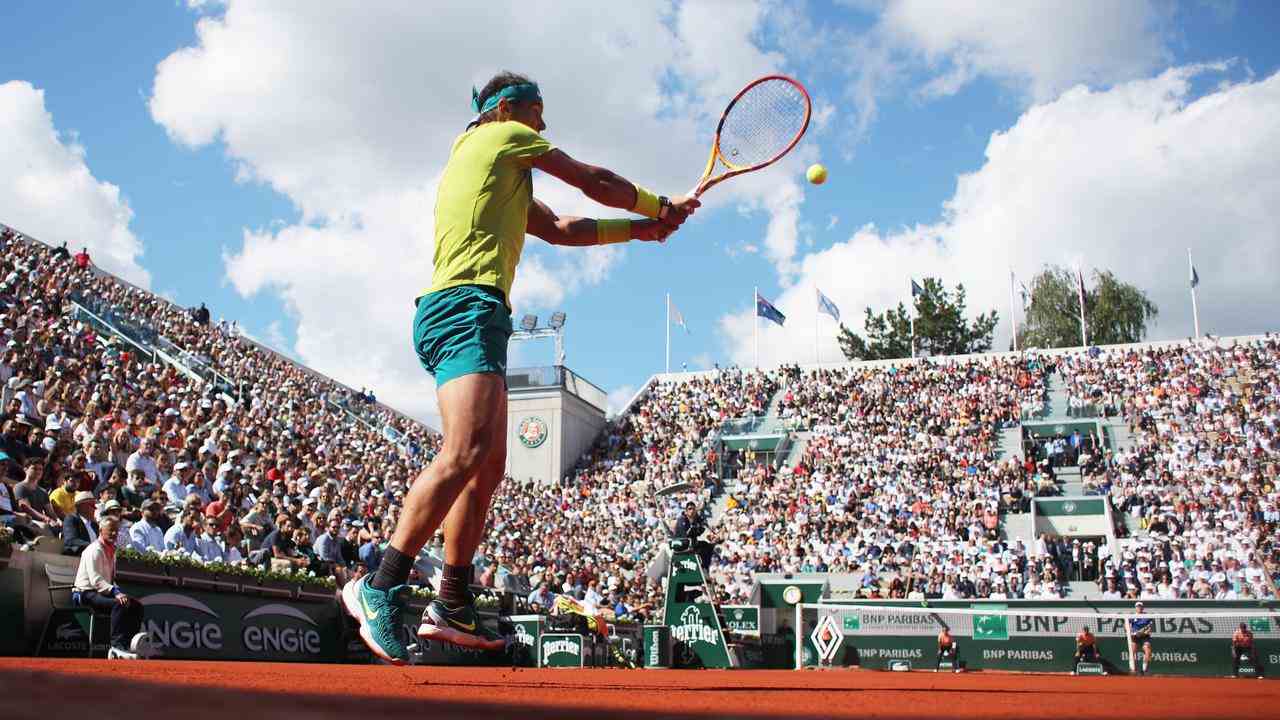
(47, 189)
(1125, 179)
(349, 109)
(619, 398)
(1040, 46)
(1037, 48)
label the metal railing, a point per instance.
(754, 425)
(558, 376)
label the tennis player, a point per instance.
(484, 208)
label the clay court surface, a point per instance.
(40, 688)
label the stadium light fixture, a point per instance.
(529, 322)
(557, 320)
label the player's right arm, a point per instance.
(579, 231)
(605, 186)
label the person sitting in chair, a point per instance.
(1086, 649)
(1242, 648)
(948, 649)
(690, 527)
(95, 588)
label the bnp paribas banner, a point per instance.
(1005, 640)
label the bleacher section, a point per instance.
(910, 478)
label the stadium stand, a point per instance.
(1198, 479)
(902, 476)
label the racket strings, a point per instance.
(763, 123)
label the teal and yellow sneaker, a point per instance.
(459, 626)
(379, 614)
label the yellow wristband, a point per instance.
(647, 204)
(609, 232)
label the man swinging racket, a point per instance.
(484, 208)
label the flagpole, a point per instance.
(817, 354)
(1195, 308)
(668, 333)
(1084, 337)
(913, 330)
(755, 322)
(1013, 317)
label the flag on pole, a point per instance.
(1026, 295)
(678, 318)
(825, 305)
(766, 310)
(1080, 285)
(915, 288)
(1195, 277)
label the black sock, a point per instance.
(453, 584)
(393, 570)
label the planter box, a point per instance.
(269, 588)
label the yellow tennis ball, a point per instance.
(816, 173)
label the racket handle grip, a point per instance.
(695, 192)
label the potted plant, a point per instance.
(142, 567)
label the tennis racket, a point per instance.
(762, 123)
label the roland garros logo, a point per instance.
(532, 431)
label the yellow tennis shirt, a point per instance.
(482, 206)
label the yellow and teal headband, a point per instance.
(517, 93)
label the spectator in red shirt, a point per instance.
(82, 259)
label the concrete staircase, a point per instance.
(1017, 526)
(1009, 444)
(1058, 405)
(1083, 590)
(1070, 480)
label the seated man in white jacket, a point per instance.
(95, 587)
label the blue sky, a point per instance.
(295, 221)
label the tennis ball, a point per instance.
(817, 174)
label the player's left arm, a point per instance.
(582, 232)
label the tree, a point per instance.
(1115, 312)
(940, 328)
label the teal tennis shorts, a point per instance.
(462, 331)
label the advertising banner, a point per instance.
(742, 619)
(563, 650)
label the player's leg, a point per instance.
(467, 404)
(1146, 657)
(452, 615)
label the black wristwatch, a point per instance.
(664, 206)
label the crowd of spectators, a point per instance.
(594, 534)
(266, 463)
(900, 484)
(242, 456)
(1201, 475)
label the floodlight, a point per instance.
(529, 322)
(557, 320)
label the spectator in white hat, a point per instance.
(79, 529)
